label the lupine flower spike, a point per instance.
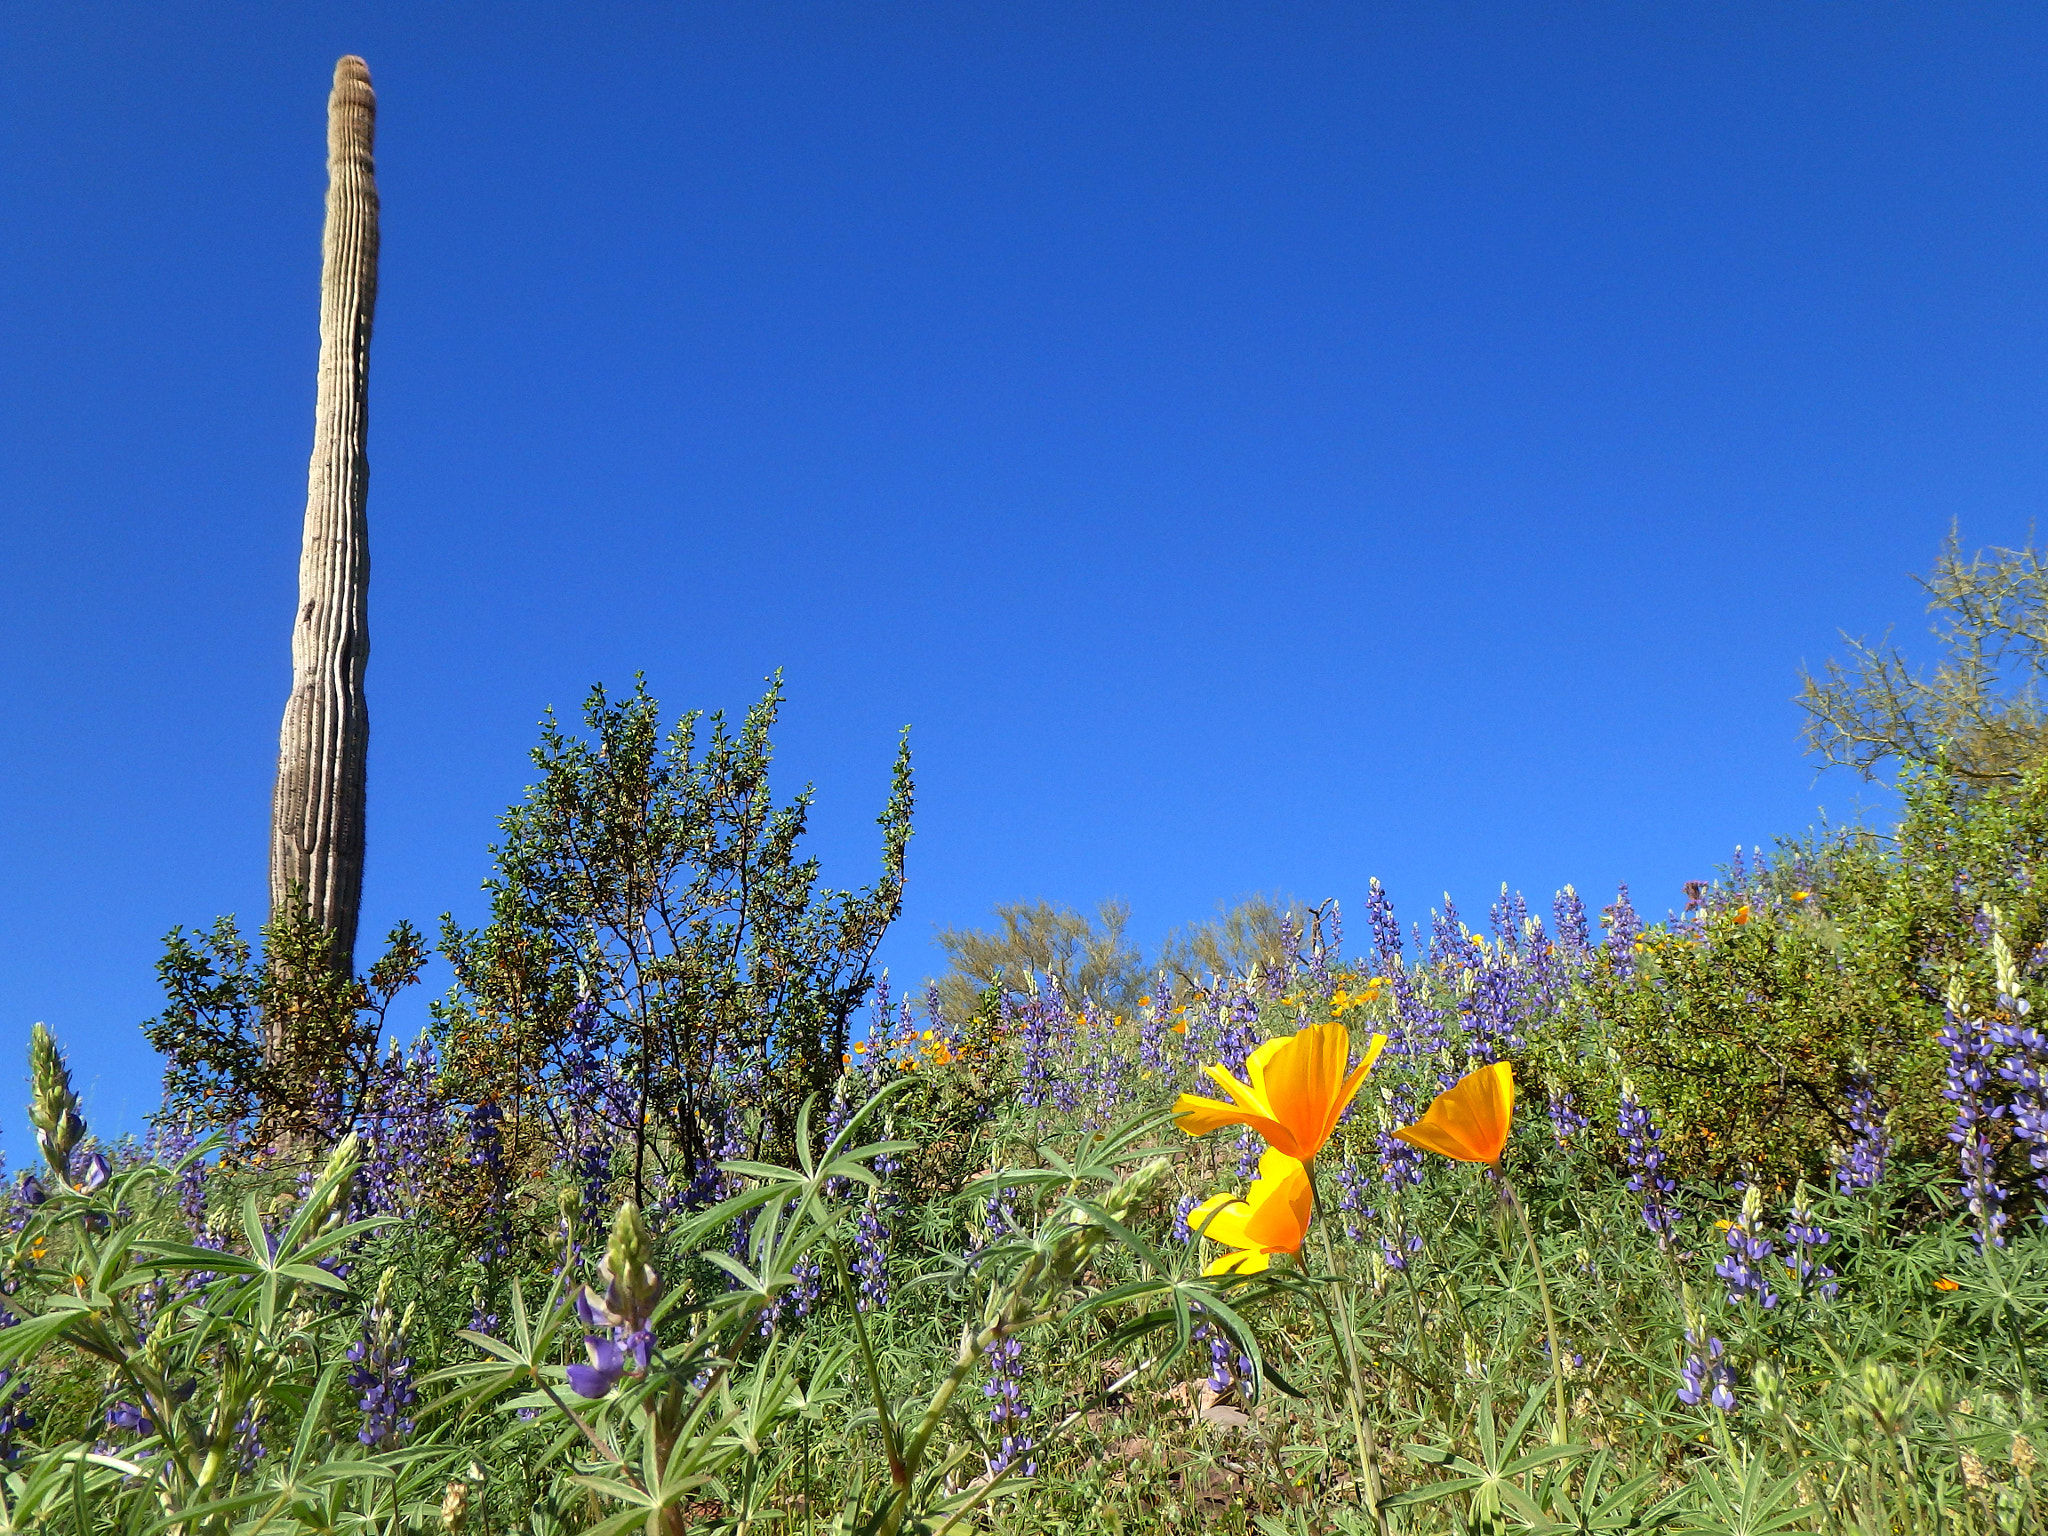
(53, 1110)
(627, 1307)
(1298, 1088)
(1271, 1217)
(1469, 1122)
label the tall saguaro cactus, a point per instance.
(316, 818)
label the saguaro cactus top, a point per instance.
(316, 826)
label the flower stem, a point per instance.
(1557, 1433)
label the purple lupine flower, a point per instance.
(1182, 1232)
(91, 1171)
(1565, 1119)
(1401, 1165)
(798, 1300)
(1573, 937)
(131, 1420)
(1221, 1378)
(1035, 1069)
(1706, 1374)
(383, 1374)
(1010, 1414)
(1351, 1200)
(607, 1365)
(1249, 1150)
(1492, 1011)
(249, 1446)
(627, 1308)
(1419, 1032)
(871, 1257)
(1396, 1248)
(1624, 928)
(1863, 1164)
(1386, 930)
(1238, 1032)
(1968, 1042)
(1509, 919)
(14, 1414)
(1808, 1238)
(2025, 1066)
(487, 1155)
(1745, 1269)
(1225, 1367)
(1155, 1032)
(1642, 1149)
(405, 1125)
(1449, 942)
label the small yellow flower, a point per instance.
(1802, 895)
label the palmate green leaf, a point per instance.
(1750, 1504)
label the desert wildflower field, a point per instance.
(675, 1218)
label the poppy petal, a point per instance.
(1468, 1122)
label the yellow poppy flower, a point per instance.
(1180, 1028)
(1742, 913)
(1271, 1217)
(1469, 1121)
(1298, 1089)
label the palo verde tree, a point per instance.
(654, 922)
(316, 826)
(1977, 715)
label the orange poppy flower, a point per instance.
(1298, 1089)
(1946, 1284)
(1271, 1217)
(1468, 1121)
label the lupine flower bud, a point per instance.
(340, 1167)
(631, 1285)
(1886, 1399)
(53, 1109)
(455, 1507)
(1126, 1196)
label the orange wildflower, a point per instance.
(1470, 1120)
(1946, 1284)
(1298, 1088)
(1271, 1217)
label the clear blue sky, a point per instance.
(1255, 446)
